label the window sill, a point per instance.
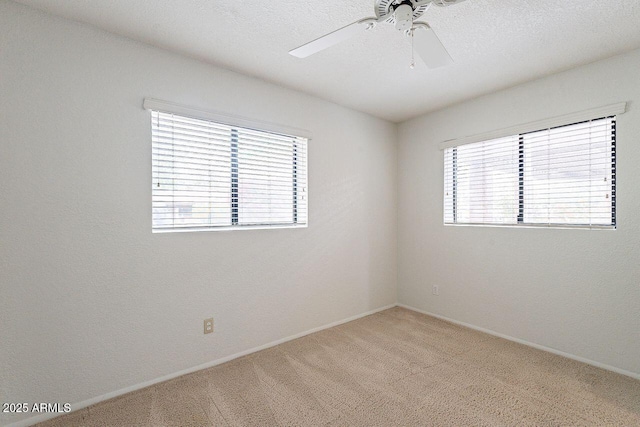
(554, 226)
(225, 228)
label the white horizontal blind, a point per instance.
(483, 177)
(272, 179)
(211, 175)
(562, 176)
(569, 174)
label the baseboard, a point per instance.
(81, 405)
(527, 343)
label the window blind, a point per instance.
(559, 176)
(209, 175)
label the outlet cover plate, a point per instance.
(208, 325)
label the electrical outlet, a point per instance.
(435, 290)
(208, 325)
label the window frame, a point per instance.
(153, 105)
(520, 220)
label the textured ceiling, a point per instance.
(495, 43)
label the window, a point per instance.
(559, 176)
(208, 175)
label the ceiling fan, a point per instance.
(400, 13)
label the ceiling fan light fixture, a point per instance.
(445, 3)
(404, 17)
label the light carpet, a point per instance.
(393, 368)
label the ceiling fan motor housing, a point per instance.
(388, 7)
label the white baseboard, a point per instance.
(85, 403)
(529, 344)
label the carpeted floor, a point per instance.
(394, 368)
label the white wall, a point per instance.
(576, 291)
(92, 301)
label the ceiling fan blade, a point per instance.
(329, 40)
(430, 48)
